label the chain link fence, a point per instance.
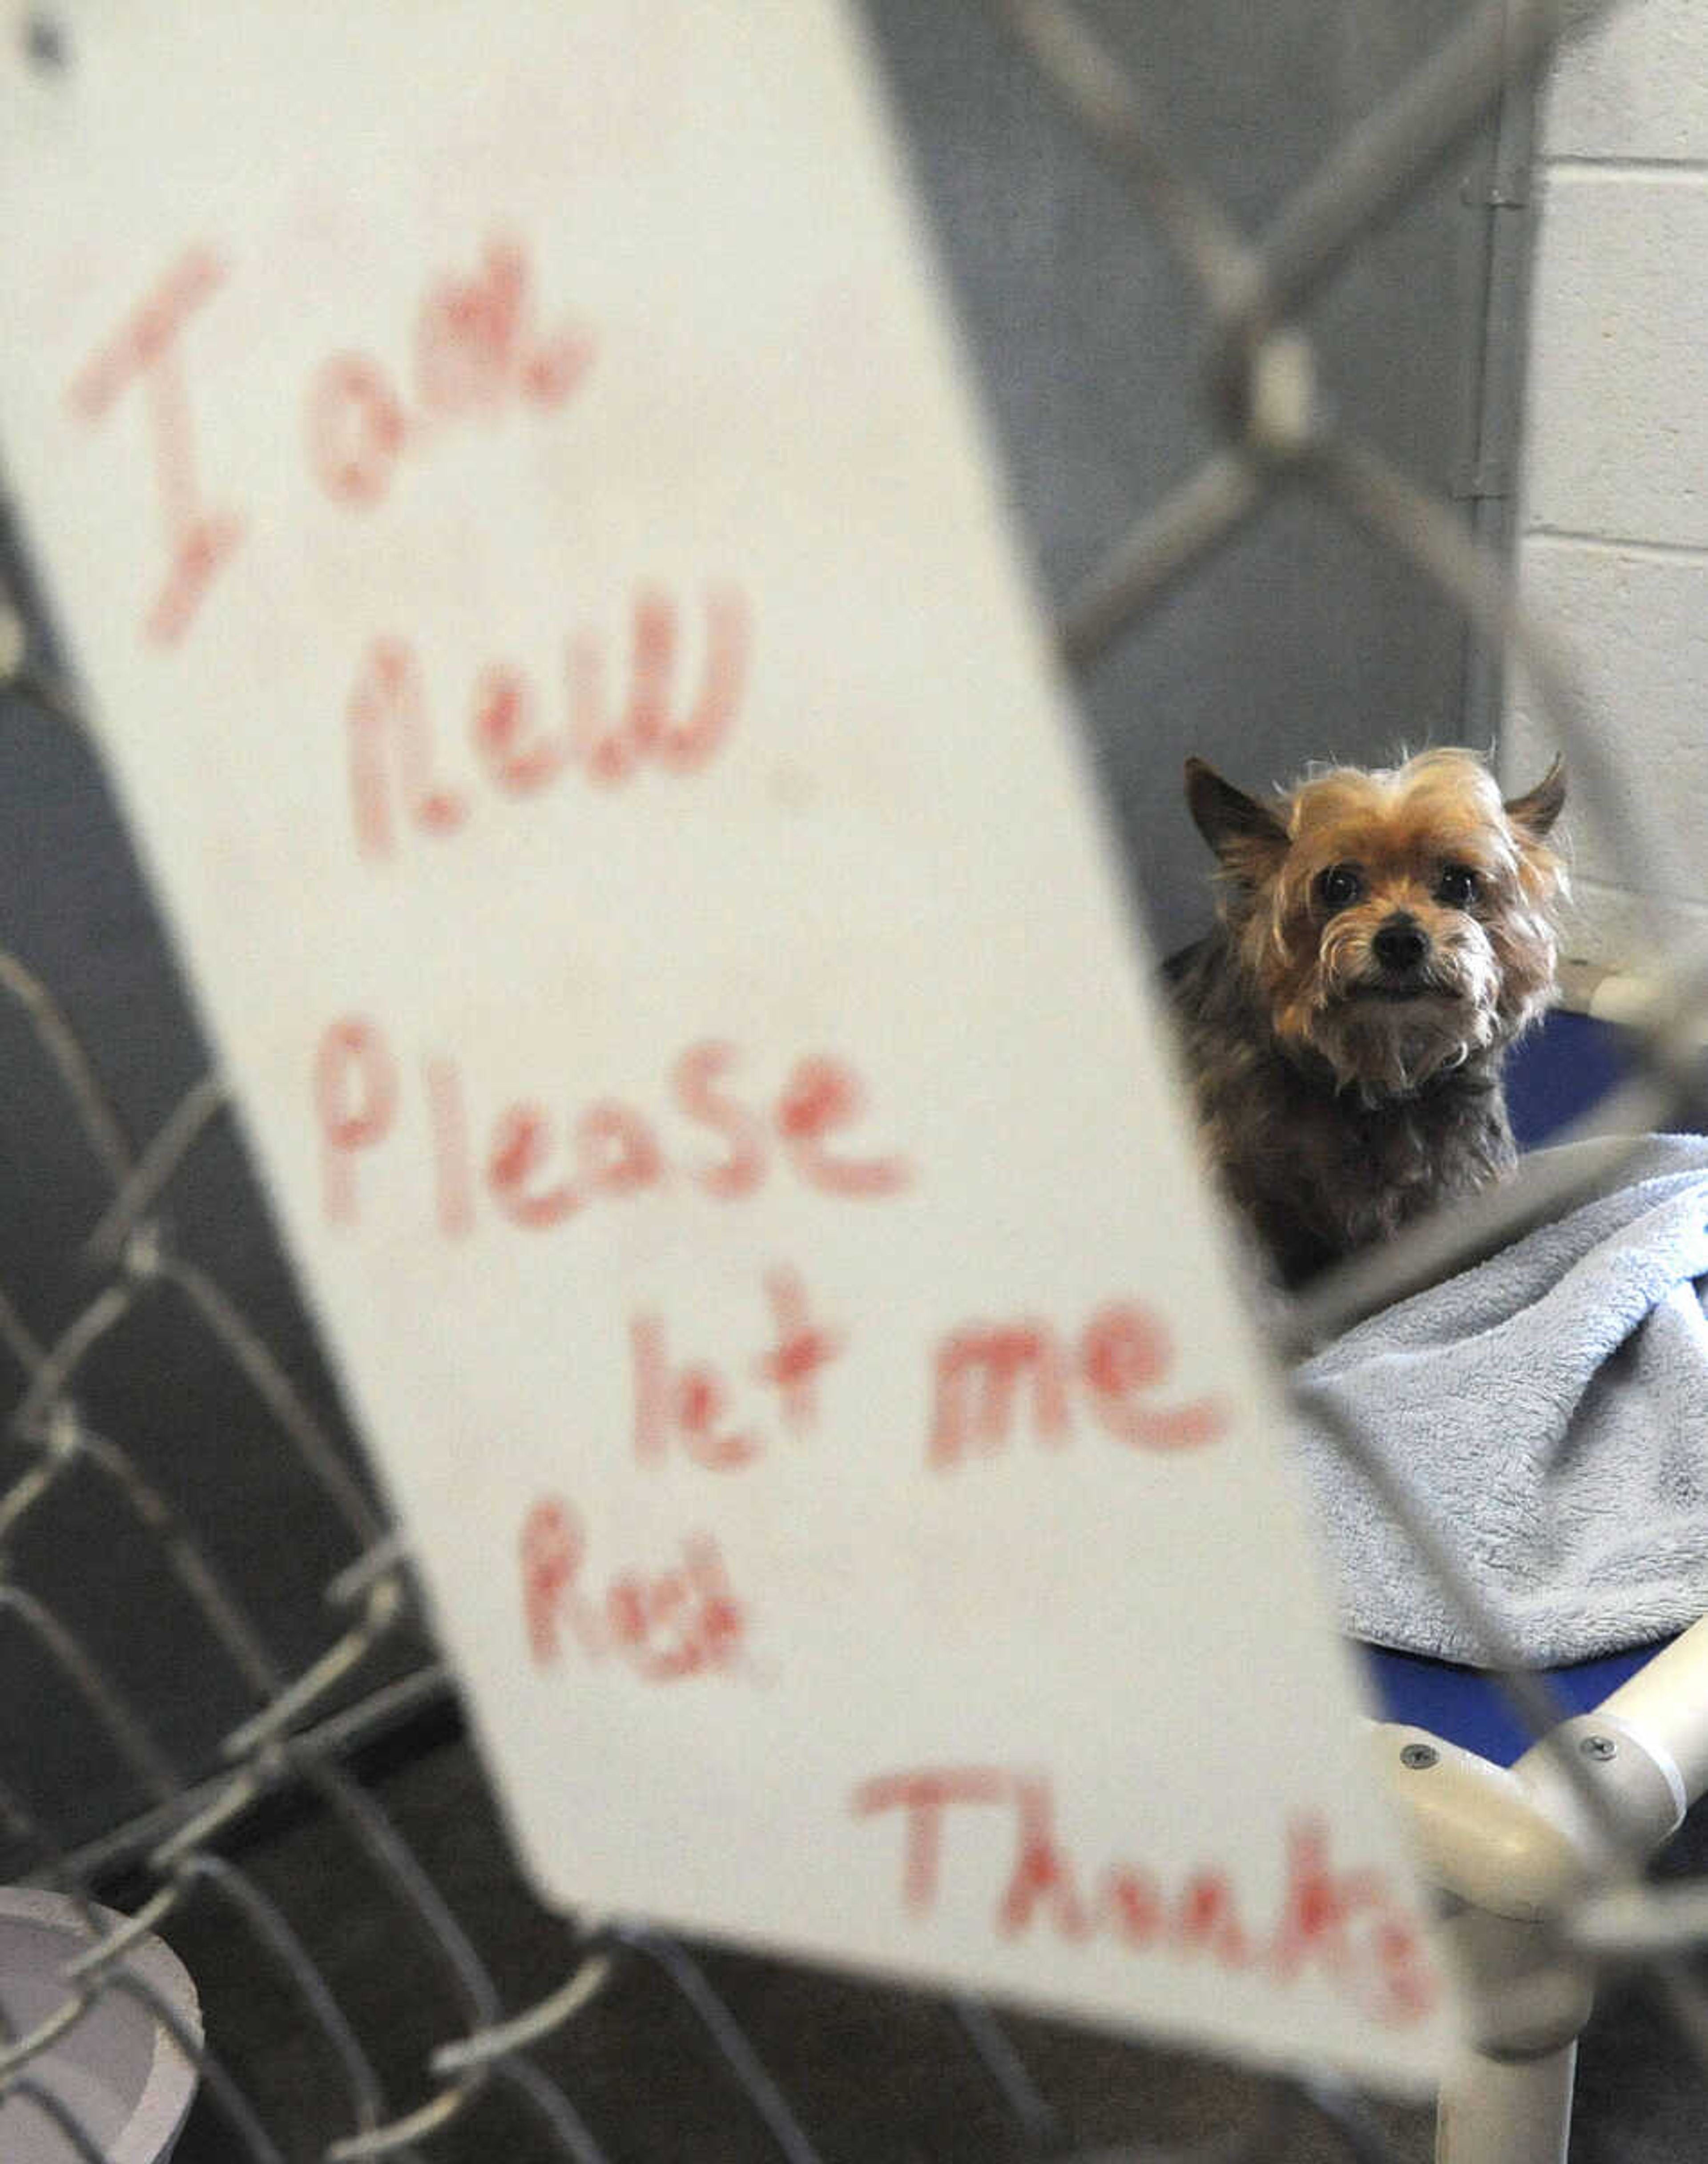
(303, 1822)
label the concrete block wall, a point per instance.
(1613, 521)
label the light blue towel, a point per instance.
(1550, 1409)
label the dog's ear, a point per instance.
(1538, 809)
(1246, 835)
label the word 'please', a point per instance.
(537, 1169)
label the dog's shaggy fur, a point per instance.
(1383, 938)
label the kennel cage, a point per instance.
(225, 1718)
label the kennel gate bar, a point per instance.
(1262, 379)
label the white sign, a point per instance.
(544, 596)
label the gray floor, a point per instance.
(870, 2075)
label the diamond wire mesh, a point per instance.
(495, 2048)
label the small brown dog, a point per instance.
(1383, 940)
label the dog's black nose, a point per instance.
(1401, 944)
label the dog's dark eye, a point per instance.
(1340, 886)
(1457, 886)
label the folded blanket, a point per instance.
(1549, 1410)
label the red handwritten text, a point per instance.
(665, 1624)
(1123, 1356)
(477, 353)
(146, 349)
(537, 1173)
(688, 1408)
(393, 762)
(1347, 1925)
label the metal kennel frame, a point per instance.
(1542, 1869)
